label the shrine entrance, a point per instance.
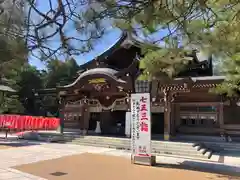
(106, 97)
(111, 122)
(119, 117)
(157, 123)
(94, 117)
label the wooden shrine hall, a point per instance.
(100, 97)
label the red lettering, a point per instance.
(143, 107)
(144, 126)
(144, 112)
(142, 149)
(144, 116)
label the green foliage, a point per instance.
(231, 85)
(27, 80)
(211, 26)
(13, 52)
(60, 73)
(30, 81)
(11, 105)
(164, 63)
(13, 57)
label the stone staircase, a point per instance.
(187, 148)
(180, 149)
(201, 148)
(224, 147)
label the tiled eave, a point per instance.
(177, 87)
(185, 84)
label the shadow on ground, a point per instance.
(9, 143)
(232, 154)
(224, 171)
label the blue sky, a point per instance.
(109, 39)
(103, 44)
(106, 42)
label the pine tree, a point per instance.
(211, 26)
(13, 54)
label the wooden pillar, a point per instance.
(173, 119)
(167, 115)
(85, 117)
(61, 114)
(221, 117)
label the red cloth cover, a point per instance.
(28, 122)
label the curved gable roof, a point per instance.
(106, 71)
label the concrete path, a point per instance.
(38, 152)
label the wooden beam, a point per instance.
(198, 103)
(167, 115)
(221, 117)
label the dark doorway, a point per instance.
(94, 117)
(114, 124)
(118, 117)
(157, 123)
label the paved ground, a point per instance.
(70, 158)
(4, 147)
(104, 167)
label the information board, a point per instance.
(140, 124)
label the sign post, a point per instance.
(141, 130)
(128, 124)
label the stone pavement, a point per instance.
(38, 152)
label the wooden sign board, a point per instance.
(141, 129)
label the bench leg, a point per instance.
(6, 134)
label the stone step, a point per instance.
(208, 154)
(223, 147)
(236, 150)
(201, 147)
(209, 144)
(128, 144)
(198, 147)
(195, 150)
(182, 148)
(72, 126)
(223, 144)
(128, 140)
(157, 151)
(156, 143)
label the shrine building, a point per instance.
(102, 90)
